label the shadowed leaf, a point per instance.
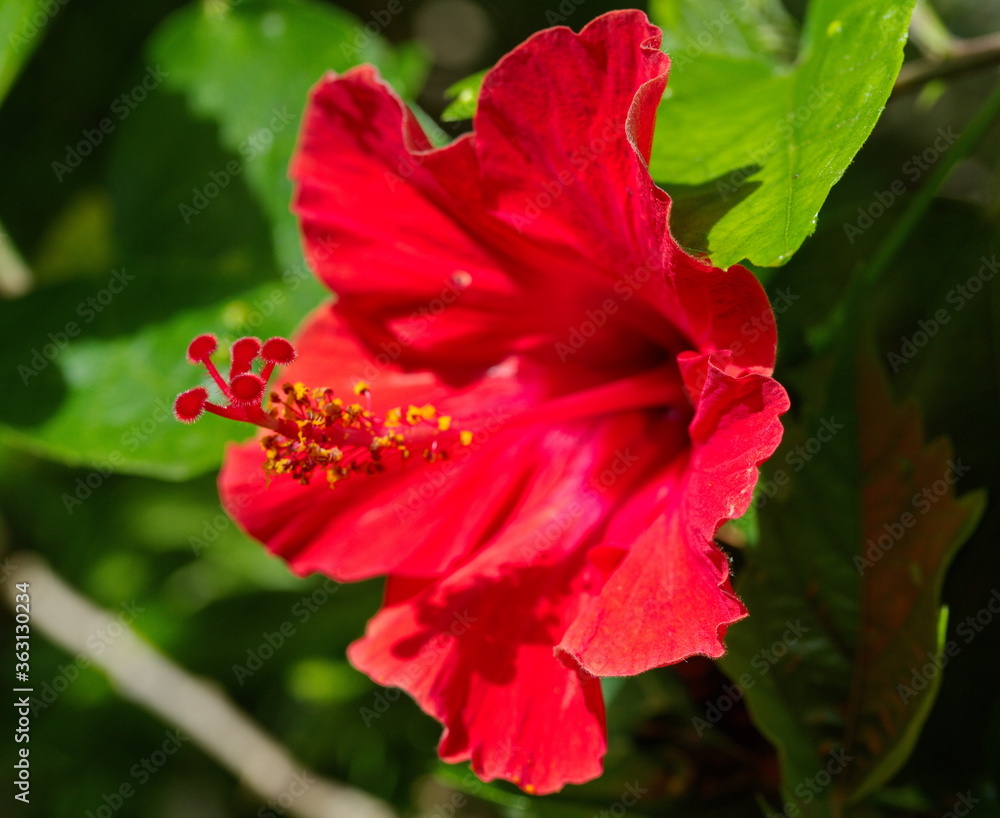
(844, 589)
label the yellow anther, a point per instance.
(300, 390)
(393, 418)
(361, 387)
(414, 414)
(465, 438)
(444, 423)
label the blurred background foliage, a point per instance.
(145, 199)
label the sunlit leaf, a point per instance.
(199, 254)
(771, 137)
(250, 66)
(463, 95)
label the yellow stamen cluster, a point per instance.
(317, 430)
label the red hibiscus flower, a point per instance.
(534, 409)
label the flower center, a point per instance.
(313, 429)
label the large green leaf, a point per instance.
(250, 68)
(766, 138)
(859, 522)
(196, 224)
(106, 402)
(744, 29)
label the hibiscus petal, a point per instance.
(670, 598)
(476, 648)
(573, 181)
(356, 529)
(383, 218)
(725, 310)
(463, 283)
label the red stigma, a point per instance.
(189, 405)
(242, 354)
(310, 428)
(201, 348)
(247, 389)
(278, 351)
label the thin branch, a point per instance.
(198, 707)
(967, 55)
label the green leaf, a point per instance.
(22, 22)
(844, 590)
(199, 254)
(771, 138)
(249, 67)
(744, 29)
(464, 95)
(106, 402)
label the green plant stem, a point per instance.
(870, 274)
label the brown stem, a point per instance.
(967, 55)
(192, 705)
